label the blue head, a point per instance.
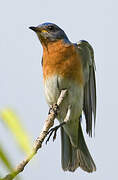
(49, 32)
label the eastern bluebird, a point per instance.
(70, 66)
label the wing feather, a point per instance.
(89, 104)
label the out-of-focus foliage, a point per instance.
(11, 120)
(13, 124)
(5, 160)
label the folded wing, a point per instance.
(89, 105)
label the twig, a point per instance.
(38, 143)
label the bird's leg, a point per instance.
(50, 132)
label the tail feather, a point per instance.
(72, 158)
(66, 151)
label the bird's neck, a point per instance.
(55, 46)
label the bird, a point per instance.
(70, 66)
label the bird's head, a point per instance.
(49, 32)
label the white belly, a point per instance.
(53, 87)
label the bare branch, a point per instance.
(38, 143)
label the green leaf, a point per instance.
(14, 125)
(5, 159)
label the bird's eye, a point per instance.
(51, 28)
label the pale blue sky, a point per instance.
(21, 86)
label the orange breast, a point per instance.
(59, 59)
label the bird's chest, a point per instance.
(62, 70)
(64, 62)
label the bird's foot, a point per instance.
(50, 132)
(54, 108)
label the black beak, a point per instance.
(33, 28)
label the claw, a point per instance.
(50, 132)
(49, 136)
(54, 108)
